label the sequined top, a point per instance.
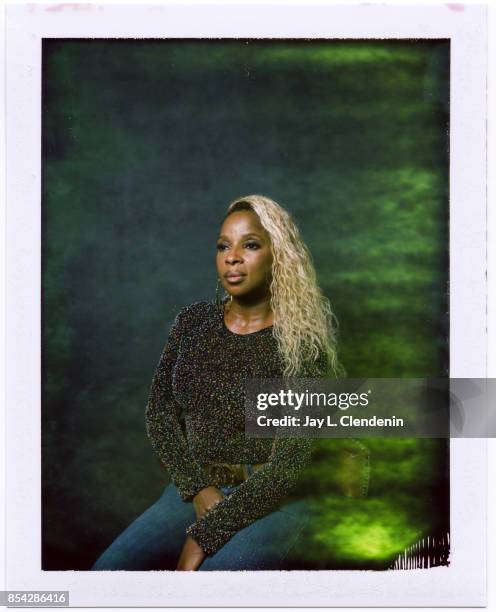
(200, 379)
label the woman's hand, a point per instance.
(191, 556)
(206, 499)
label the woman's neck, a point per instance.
(248, 316)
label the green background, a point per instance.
(144, 145)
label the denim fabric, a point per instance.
(155, 539)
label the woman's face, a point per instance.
(244, 257)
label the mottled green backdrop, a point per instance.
(144, 144)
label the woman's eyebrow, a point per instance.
(244, 236)
(250, 234)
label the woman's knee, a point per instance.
(154, 540)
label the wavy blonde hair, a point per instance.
(304, 325)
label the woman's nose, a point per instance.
(233, 256)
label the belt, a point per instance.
(230, 474)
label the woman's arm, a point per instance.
(162, 421)
(255, 497)
(262, 492)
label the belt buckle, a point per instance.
(223, 474)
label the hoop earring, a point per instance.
(218, 296)
(217, 293)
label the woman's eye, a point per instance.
(252, 245)
(221, 247)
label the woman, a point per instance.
(224, 509)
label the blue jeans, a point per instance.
(155, 539)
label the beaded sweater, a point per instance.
(199, 381)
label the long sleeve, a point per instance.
(257, 496)
(163, 425)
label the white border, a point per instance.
(463, 583)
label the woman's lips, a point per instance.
(234, 278)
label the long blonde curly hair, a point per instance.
(305, 327)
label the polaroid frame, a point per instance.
(463, 583)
